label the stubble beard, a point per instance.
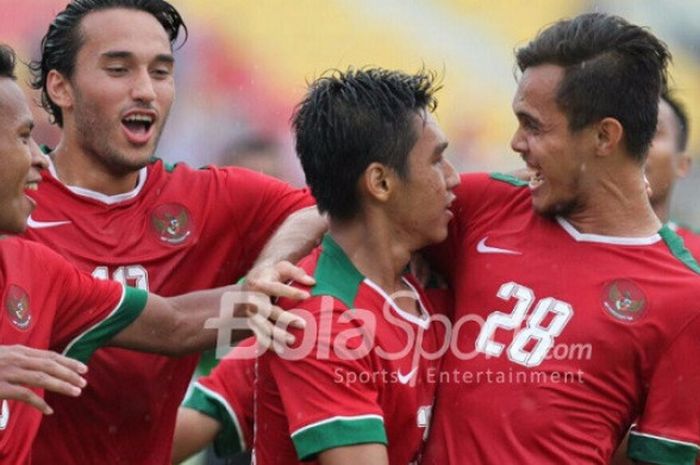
(94, 140)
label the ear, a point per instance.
(379, 181)
(59, 89)
(609, 133)
(683, 165)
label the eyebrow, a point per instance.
(162, 57)
(524, 115)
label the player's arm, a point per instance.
(294, 239)
(369, 454)
(24, 367)
(219, 407)
(193, 432)
(176, 325)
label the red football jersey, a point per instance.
(690, 238)
(48, 304)
(226, 395)
(358, 374)
(179, 230)
(562, 339)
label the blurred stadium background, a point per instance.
(246, 63)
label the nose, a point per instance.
(451, 176)
(142, 87)
(39, 160)
(518, 142)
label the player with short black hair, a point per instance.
(669, 161)
(590, 306)
(365, 136)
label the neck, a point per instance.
(618, 205)
(373, 251)
(75, 167)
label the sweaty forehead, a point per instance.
(123, 29)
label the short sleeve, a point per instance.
(668, 430)
(90, 311)
(226, 395)
(340, 402)
(259, 204)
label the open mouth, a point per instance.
(536, 180)
(138, 127)
(139, 124)
(32, 186)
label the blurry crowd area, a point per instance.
(246, 64)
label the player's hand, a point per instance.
(268, 321)
(24, 367)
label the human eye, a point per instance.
(116, 69)
(161, 72)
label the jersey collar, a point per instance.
(100, 197)
(601, 239)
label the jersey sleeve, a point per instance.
(226, 395)
(90, 311)
(668, 430)
(260, 204)
(340, 402)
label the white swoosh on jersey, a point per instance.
(481, 247)
(404, 379)
(32, 223)
(4, 415)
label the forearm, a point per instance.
(367, 454)
(193, 432)
(176, 325)
(217, 317)
(294, 239)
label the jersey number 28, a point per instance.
(521, 350)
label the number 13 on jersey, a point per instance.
(521, 350)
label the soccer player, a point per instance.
(106, 76)
(589, 309)
(358, 388)
(48, 303)
(669, 161)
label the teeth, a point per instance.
(32, 186)
(536, 179)
(139, 119)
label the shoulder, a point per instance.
(14, 248)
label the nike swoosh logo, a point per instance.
(404, 379)
(34, 224)
(481, 247)
(4, 415)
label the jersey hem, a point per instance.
(334, 432)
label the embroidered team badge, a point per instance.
(17, 307)
(171, 223)
(624, 300)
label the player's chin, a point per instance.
(439, 235)
(15, 223)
